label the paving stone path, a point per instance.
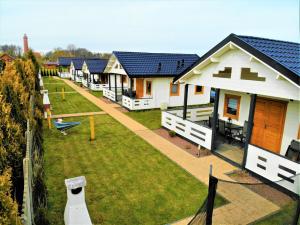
(245, 206)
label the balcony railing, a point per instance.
(98, 87)
(274, 167)
(111, 94)
(84, 82)
(194, 114)
(195, 132)
(137, 104)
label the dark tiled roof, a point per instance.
(285, 53)
(141, 64)
(66, 61)
(96, 65)
(77, 63)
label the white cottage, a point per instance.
(147, 80)
(93, 74)
(255, 122)
(64, 66)
(76, 69)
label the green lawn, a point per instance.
(47, 79)
(128, 181)
(73, 103)
(96, 93)
(55, 85)
(283, 217)
(149, 118)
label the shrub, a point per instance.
(172, 133)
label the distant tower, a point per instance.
(25, 43)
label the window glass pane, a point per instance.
(148, 88)
(232, 106)
(174, 88)
(198, 88)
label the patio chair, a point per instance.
(241, 135)
(210, 121)
(223, 130)
(293, 151)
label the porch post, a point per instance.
(250, 127)
(109, 83)
(186, 91)
(116, 91)
(215, 119)
(122, 84)
(131, 82)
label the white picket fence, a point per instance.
(137, 104)
(274, 168)
(197, 133)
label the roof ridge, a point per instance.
(262, 38)
(153, 53)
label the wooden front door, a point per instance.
(139, 88)
(269, 118)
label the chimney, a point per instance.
(25, 43)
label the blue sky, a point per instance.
(188, 26)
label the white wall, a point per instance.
(112, 68)
(237, 59)
(161, 93)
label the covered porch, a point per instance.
(78, 76)
(129, 92)
(249, 130)
(98, 81)
(139, 95)
(116, 87)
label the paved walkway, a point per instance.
(77, 114)
(245, 206)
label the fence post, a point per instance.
(63, 93)
(92, 128)
(49, 118)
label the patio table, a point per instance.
(232, 127)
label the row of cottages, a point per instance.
(145, 80)
(256, 113)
